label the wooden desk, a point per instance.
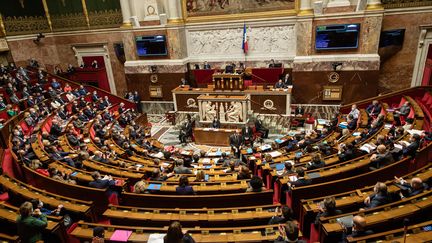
(214, 137)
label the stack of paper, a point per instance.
(275, 154)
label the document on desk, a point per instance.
(265, 147)
(121, 235)
(275, 154)
(206, 161)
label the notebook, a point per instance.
(280, 166)
(121, 235)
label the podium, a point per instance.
(228, 82)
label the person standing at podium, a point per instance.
(287, 80)
(235, 143)
(216, 123)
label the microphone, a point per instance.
(406, 222)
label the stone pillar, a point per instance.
(305, 7)
(133, 12)
(374, 5)
(338, 3)
(126, 13)
(174, 11)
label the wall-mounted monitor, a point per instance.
(392, 38)
(337, 37)
(148, 46)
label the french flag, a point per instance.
(245, 45)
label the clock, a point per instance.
(154, 78)
(333, 77)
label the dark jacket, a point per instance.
(378, 200)
(185, 190)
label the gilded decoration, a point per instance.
(26, 25)
(405, 3)
(212, 10)
(105, 19)
(72, 21)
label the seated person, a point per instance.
(316, 162)
(282, 215)
(206, 65)
(358, 229)
(256, 185)
(354, 112)
(411, 149)
(176, 234)
(247, 135)
(200, 176)
(272, 63)
(374, 109)
(346, 152)
(352, 122)
(244, 173)
(216, 123)
(102, 182)
(279, 85)
(140, 187)
(184, 188)
(288, 232)
(301, 180)
(98, 235)
(327, 208)
(183, 82)
(288, 168)
(379, 197)
(30, 223)
(180, 168)
(382, 158)
(414, 187)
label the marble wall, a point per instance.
(396, 72)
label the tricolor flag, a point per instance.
(245, 45)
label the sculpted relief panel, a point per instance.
(279, 40)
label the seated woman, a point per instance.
(140, 187)
(184, 188)
(175, 234)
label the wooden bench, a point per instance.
(20, 192)
(266, 233)
(198, 201)
(203, 217)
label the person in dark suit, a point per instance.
(288, 232)
(346, 152)
(184, 188)
(316, 162)
(299, 111)
(259, 127)
(55, 130)
(102, 182)
(61, 156)
(374, 109)
(272, 63)
(72, 138)
(186, 131)
(411, 149)
(247, 135)
(279, 84)
(180, 168)
(382, 158)
(352, 122)
(206, 65)
(235, 143)
(379, 197)
(414, 187)
(216, 123)
(229, 68)
(282, 215)
(95, 96)
(301, 180)
(327, 208)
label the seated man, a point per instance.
(382, 158)
(259, 127)
(379, 197)
(374, 109)
(103, 182)
(288, 232)
(415, 187)
(411, 149)
(279, 84)
(216, 123)
(352, 122)
(354, 112)
(301, 180)
(358, 229)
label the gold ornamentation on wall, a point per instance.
(105, 19)
(26, 25)
(72, 21)
(405, 3)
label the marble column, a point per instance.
(338, 3)
(126, 13)
(305, 7)
(374, 5)
(174, 11)
(133, 13)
